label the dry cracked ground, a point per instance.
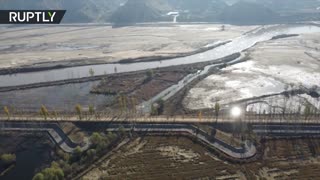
(181, 158)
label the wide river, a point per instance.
(237, 45)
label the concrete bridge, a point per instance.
(252, 119)
(246, 151)
(290, 130)
(56, 134)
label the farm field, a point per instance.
(181, 158)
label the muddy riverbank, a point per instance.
(236, 45)
(192, 65)
(79, 44)
(45, 66)
(188, 68)
(277, 66)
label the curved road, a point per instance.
(60, 138)
(53, 129)
(246, 151)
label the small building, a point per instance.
(174, 14)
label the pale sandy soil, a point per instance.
(30, 44)
(274, 66)
(178, 154)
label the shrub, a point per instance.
(96, 138)
(38, 176)
(91, 153)
(6, 111)
(8, 158)
(150, 75)
(52, 173)
(78, 109)
(44, 112)
(78, 151)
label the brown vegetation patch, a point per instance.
(142, 85)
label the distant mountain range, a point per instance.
(248, 13)
(287, 6)
(135, 11)
(156, 10)
(77, 10)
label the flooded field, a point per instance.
(55, 98)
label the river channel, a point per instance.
(236, 45)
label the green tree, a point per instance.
(111, 136)
(7, 112)
(307, 111)
(91, 110)
(200, 116)
(217, 111)
(55, 165)
(96, 138)
(63, 155)
(134, 103)
(8, 158)
(44, 112)
(122, 103)
(101, 146)
(53, 173)
(91, 153)
(154, 110)
(161, 106)
(38, 176)
(78, 151)
(150, 75)
(91, 72)
(122, 131)
(78, 109)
